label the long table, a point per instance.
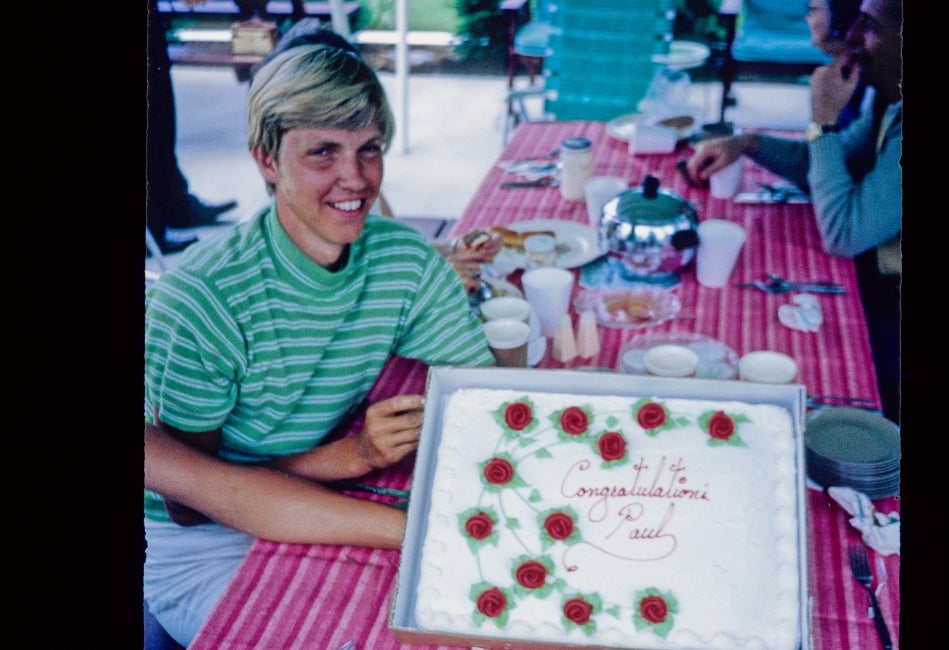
(320, 596)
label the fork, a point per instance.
(776, 286)
(860, 566)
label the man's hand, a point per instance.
(831, 88)
(718, 153)
(391, 431)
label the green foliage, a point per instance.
(484, 28)
(424, 15)
(698, 20)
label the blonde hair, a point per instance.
(314, 86)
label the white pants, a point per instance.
(187, 569)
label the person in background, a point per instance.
(168, 201)
(261, 341)
(853, 175)
(829, 22)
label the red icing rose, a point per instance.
(492, 602)
(558, 525)
(577, 610)
(479, 525)
(654, 609)
(518, 415)
(498, 471)
(651, 415)
(573, 420)
(531, 574)
(612, 445)
(720, 426)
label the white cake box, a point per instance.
(443, 381)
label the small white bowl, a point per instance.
(671, 361)
(767, 367)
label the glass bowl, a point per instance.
(629, 308)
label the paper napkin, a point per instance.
(880, 532)
(803, 314)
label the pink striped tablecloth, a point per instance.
(319, 596)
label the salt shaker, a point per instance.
(576, 157)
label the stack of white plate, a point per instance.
(853, 448)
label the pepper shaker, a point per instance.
(576, 156)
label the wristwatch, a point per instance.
(815, 130)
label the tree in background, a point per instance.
(483, 28)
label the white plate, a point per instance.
(623, 127)
(581, 242)
(716, 360)
(683, 55)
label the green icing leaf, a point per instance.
(736, 441)
(662, 629)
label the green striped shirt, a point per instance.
(248, 334)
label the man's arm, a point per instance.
(264, 502)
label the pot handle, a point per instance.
(685, 239)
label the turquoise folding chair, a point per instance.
(603, 56)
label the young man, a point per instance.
(262, 340)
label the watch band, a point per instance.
(815, 130)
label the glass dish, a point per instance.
(629, 308)
(716, 360)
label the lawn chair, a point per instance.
(604, 56)
(528, 37)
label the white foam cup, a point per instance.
(548, 289)
(725, 182)
(541, 250)
(720, 241)
(506, 307)
(508, 339)
(651, 138)
(597, 191)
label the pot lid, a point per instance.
(648, 203)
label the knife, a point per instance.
(547, 181)
(772, 197)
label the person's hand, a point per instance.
(468, 252)
(468, 271)
(718, 153)
(391, 431)
(476, 246)
(832, 86)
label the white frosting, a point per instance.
(723, 544)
